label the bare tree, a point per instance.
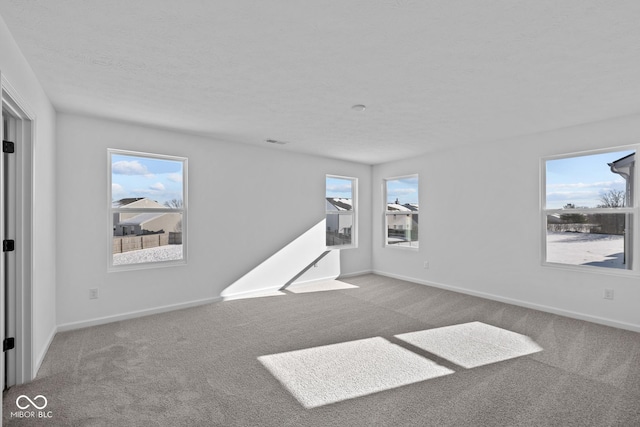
(174, 203)
(612, 199)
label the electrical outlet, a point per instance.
(608, 294)
(93, 293)
(426, 265)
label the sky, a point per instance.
(156, 179)
(339, 188)
(582, 180)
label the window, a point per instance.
(341, 202)
(147, 210)
(401, 211)
(589, 210)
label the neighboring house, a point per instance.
(400, 221)
(340, 224)
(625, 167)
(147, 223)
(136, 224)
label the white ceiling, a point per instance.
(433, 74)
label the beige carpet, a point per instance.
(381, 352)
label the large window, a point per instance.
(589, 209)
(340, 196)
(147, 210)
(401, 211)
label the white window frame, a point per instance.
(387, 213)
(352, 213)
(112, 210)
(631, 249)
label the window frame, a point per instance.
(113, 210)
(386, 212)
(353, 212)
(631, 227)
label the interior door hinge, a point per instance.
(8, 245)
(8, 147)
(8, 344)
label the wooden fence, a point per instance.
(134, 243)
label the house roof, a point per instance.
(341, 204)
(140, 219)
(126, 201)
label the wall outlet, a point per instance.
(93, 293)
(426, 265)
(608, 294)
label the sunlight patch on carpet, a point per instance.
(322, 375)
(327, 285)
(472, 344)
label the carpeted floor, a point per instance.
(383, 353)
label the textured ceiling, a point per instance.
(433, 74)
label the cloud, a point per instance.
(175, 177)
(339, 188)
(158, 186)
(117, 189)
(134, 167)
(401, 191)
(599, 185)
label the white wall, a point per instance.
(480, 225)
(248, 190)
(18, 73)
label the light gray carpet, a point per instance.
(387, 353)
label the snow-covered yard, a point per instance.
(161, 253)
(604, 250)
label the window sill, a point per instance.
(403, 248)
(590, 269)
(333, 248)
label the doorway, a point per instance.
(15, 230)
(8, 245)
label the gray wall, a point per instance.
(267, 197)
(463, 191)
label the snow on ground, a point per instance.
(603, 250)
(161, 253)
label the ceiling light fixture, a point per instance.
(359, 107)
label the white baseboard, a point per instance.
(40, 357)
(355, 273)
(134, 314)
(317, 280)
(539, 307)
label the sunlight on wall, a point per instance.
(332, 373)
(472, 344)
(284, 265)
(328, 374)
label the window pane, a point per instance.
(588, 239)
(339, 194)
(600, 180)
(402, 230)
(402, 194)
(146, 237)
(146, 182)
(339, 229)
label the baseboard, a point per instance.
(539, 307)
(40, 357)
(308, 282)
(355, 273)
(134, 314)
